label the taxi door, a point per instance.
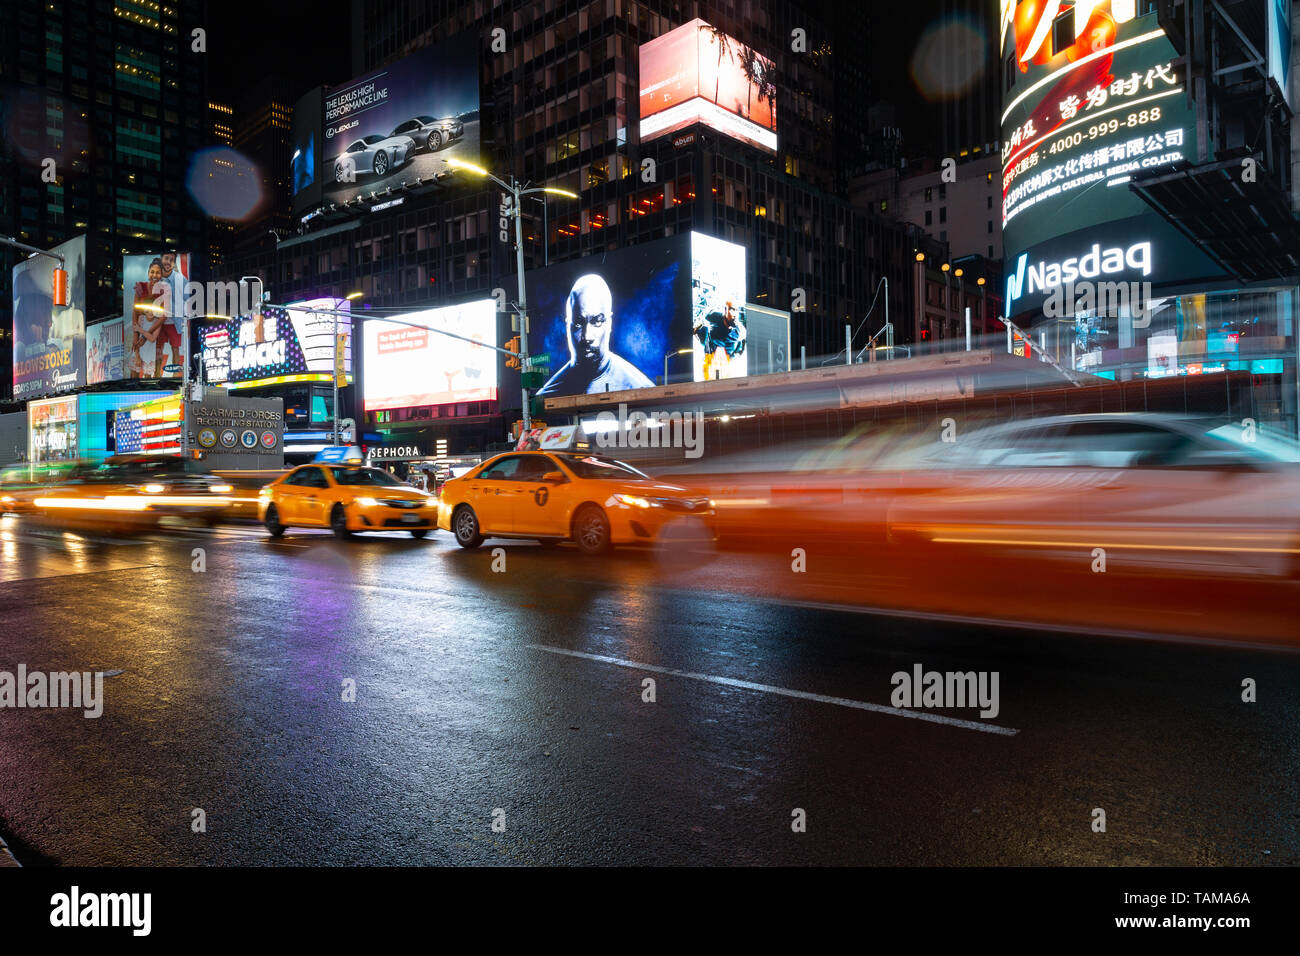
(307, 496)
(542, 508)
(493, 493)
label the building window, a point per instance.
(990, 201)
(943, 213)
(929, 193)
(929, 218)
(990, 229)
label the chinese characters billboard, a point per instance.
(1092, 106)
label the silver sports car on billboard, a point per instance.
(430, 133)
(372, 154)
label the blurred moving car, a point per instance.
(551, 497)
(345, 499)
(1158, 489)
(245, 496)
(138, 489)
(19, 484)
(372, 154)
(429, 133)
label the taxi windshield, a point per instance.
(589, 466)
(364, 476)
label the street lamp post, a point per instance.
(669, 355)
(517, 191)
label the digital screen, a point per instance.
(1279, 47)
(718, 323)
(106, 352)
(304, 160)
(272, 342)
(408, 363)
(606, 322)
(396, 126)
(49, 341)
(696, 74)
(1092, 106)
(153, 340)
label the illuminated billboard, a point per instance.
(1093, 104)
(606, 322)
(304, 160)
(152, 339)
(1279, 47)
(718, 322)
(697, 74)
(49, 341)
(395, 127)
(409, 363)
(276, 345)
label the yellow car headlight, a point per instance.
(636, 501)
(221, 489)
(366, 502)
(153, 488)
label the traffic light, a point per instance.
(513, 346)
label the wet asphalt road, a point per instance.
(522, 690)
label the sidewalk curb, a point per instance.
(7, 858)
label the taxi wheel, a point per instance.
(272, 522)
(419, 532)
(591, 530)
(464, 524)
(339, 523)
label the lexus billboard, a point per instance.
(698, 74)
(1092, 105)
(394, 127)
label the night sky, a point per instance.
(307, 45)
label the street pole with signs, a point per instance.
(518, 191)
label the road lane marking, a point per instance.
(785, 692)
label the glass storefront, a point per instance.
(52, 430)
(1196, 333)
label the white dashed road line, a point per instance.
(787, 692)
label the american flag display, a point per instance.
(126, 434)
(152, 427)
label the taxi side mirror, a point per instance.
(553, 477)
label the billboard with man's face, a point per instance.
(49, 341)
(697, 74)
(718, 322)
(607, 322)
(397, 126)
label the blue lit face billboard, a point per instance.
(607, 321)
(396, 126)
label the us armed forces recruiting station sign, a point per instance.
(237, 432)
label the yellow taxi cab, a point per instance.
(345, 498)
(550, 497)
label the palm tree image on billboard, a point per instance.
(699, 74)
